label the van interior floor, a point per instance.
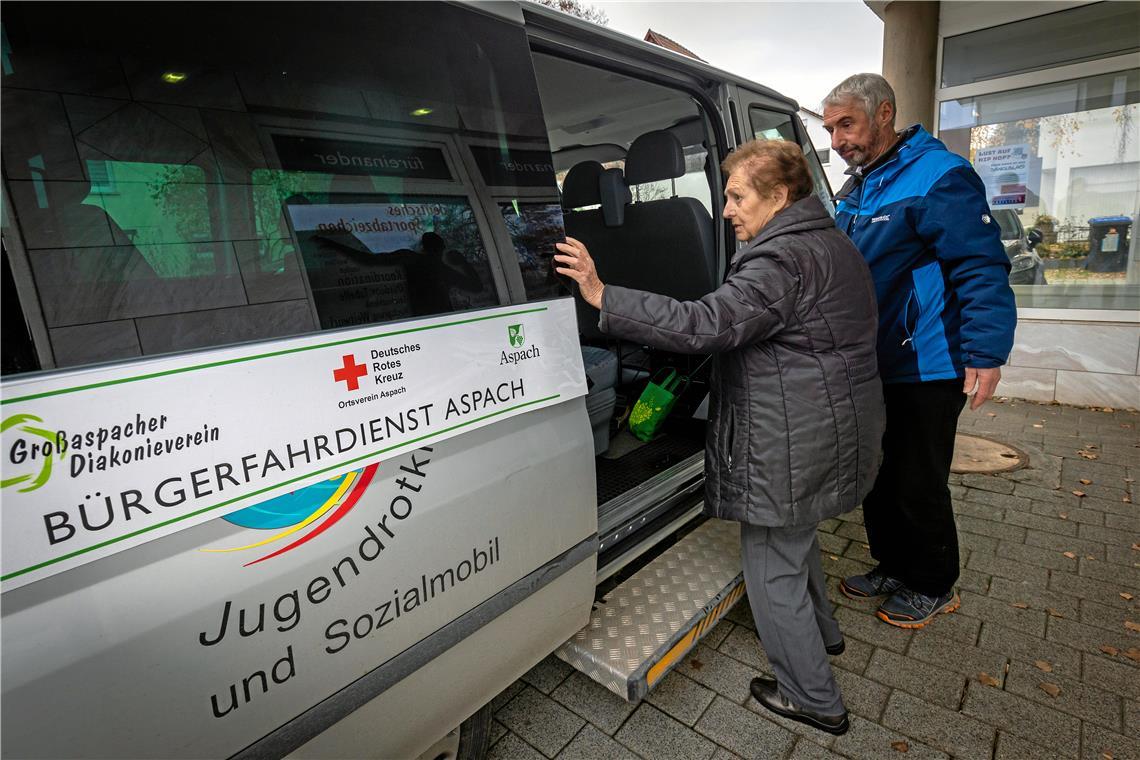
(631, 469)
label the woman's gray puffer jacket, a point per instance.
(796, 410)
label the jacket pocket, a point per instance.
(912, 310)
(734, 443)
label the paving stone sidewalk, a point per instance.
(1041, 662)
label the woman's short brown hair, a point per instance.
(772, 162)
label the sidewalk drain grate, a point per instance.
(975, 454)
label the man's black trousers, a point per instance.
(908, 514)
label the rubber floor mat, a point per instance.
(616, 476)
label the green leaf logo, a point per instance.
(515, 336)
(33, 480)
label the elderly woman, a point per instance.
(796, 409)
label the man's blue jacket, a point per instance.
(920, 218)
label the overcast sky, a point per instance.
(800, 49)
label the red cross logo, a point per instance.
(350, 373)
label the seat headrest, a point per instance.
(580, 188)
(615, 195)
(654, 156)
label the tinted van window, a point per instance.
(215, 184)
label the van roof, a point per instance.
(643, 50)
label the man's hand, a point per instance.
(981, 383)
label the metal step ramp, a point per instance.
(642, 628)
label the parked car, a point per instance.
(1026, 266)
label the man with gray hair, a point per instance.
(918, 214)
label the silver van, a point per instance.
(306, 450)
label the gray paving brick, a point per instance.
(1111, 618)
(1010, 747)
(985, 608)
(506, 695)
(859, 552)
(870, 741)
(1075, 698)
(831, 543)
(681, 697)
(723, 754)
(987, 483)
(855, 516)
(1079, 546)
(1122, 555)
(546, 675)
(855, 656)
(853, 531)
(592, 744)
(652, 734)
(947, 730)
(868, 628)
(841, 567)
(1098, 743)
(510, 747)
(719, 633)
(1074, 469)
(540, 721)
(1002, 501)
(963, 628)
(967, 524)
(719, 672)
(944, 652)
(930, 682)
(806, 749)
(1126, 523)
(1116, 674)
(1088, 638)
(1053, 494)
(742, 644)
(862, 696)
(1128, 577)
(593, 702)
(1008, 568)
(1111, 506)
(1037, 522)
(741, 614)
(974, 580)
(1089, 588)
(1018, 646)
(829, 525)
(1073, 514)
(1021, 717)
(743, 731)
(1132, 718)
(1036, 596)
(1106, 535)
(976, 543)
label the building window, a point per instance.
(1080, 34)
(1064, 158)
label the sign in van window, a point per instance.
(510, 167)
(334, 156)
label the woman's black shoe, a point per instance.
(837, 649)
(767, 693)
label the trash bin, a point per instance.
(1108, 243)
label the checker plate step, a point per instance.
(642, 628)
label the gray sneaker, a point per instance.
(912, 609)
(874, 583)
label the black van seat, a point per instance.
(602, 369)
(670, 242)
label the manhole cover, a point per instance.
(973, 453)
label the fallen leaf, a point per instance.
(1111, 651)
(1130, 480)
(900, 746)
(833, 557)
(1053, 613)
(1088, 454)
(1042, 665)
(1108, 410)
(1038, 426)
(1080, 494)
(1132, 626)
(1064, 515)
(1090, 558)
(991, 414)
(1136, 547)
(988, 680)
(1126, 499)
(1070, 555)
(1020, 605)
(1133, 654)
(696, 664)
(1126, 596)
(1052, 689)
(1085, 482)
(1107, 755)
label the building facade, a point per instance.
(1044, 99)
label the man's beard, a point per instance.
(861, 155)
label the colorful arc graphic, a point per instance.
(291, 513)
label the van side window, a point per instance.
(773, 125)
(165, 194)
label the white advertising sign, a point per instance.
(1005, 172)
(101, 460)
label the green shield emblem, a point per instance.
(515, 336)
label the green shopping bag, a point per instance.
(655, 403)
